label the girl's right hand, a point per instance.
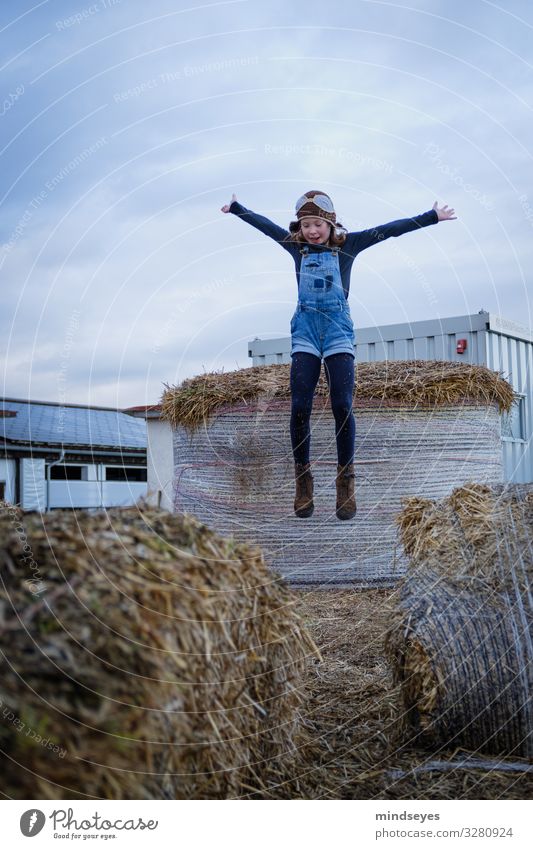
(226, 207)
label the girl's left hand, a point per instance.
(444, 213)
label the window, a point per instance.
(125, 473)
(63, 472)
(513, 422)
(2, 490)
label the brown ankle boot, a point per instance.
(303, 503)
(346, 507)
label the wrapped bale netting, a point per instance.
(461, 640)
(423, 427)
(143, 656)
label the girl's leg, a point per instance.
(340, 375)
(305, 372)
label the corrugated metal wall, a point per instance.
(430, 347)
(514, 357)
(510, 352)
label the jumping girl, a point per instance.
(322, 328)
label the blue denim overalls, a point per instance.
(321, 324)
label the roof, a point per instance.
(42, 422)
(145, 411)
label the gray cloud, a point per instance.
(113, 194)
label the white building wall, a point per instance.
(8, 472)
(95, 493)
(32, 484)
(92, 492)
(160, 453)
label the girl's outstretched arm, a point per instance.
(366, 238)
(274, 231)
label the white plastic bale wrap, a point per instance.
(236, 473)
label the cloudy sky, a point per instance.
(127, 125)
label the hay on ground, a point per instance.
(461, 640)
(411, 382)
(143, 656)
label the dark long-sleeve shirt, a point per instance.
(354, 244)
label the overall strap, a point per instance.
(334, 249)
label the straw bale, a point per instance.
(151, 658)
(356, 749)
(237, 474)
(423, 427)
(461, 639)
(410, 382)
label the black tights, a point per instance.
(305, 372)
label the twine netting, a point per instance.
(423, 427)
(461, 640)
(236, 473)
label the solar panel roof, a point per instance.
(55, 424)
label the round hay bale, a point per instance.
(461, 639)
(143, 656)
(422, 428)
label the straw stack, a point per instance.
(143, 656)
(461, 642)
(412, 382)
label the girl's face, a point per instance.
(315, 230)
